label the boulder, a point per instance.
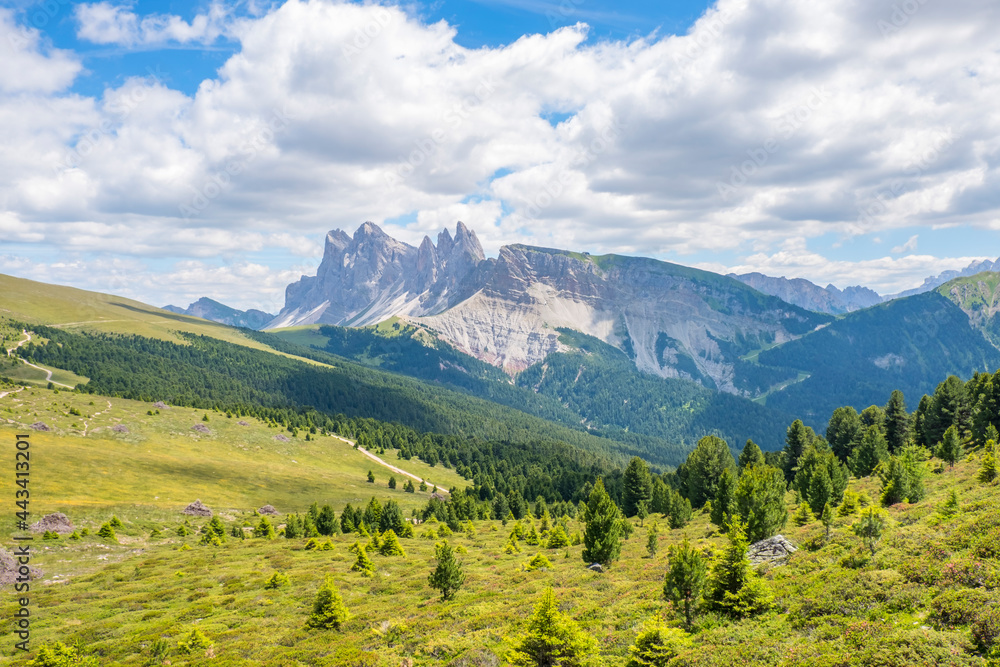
(596, 567)
(201, 428)
(120, 428)
(160, 405)
(40, 426)
(774, 551)
(269, 510)
(57, 522)
(197, 508)
(9, 568)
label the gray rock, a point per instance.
(201, 428)
(197, 508)
(9, 568)
(57, 522)
(269, 510)
(596, 567)
(774, 550)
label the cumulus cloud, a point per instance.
(104, 23)
(766, 121)
(909, 246)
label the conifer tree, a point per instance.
(870, 526)
(293, 527)
(685, 579)
(328, 610)
(760, 501)
(869, 453)
(700, 473)
(652, 540)
(602, 537)
(107, 532)
(803, 514)
(897, 422)
(362, 564)
(326, 521)
(637, 486)
(988, 469)
(950, 450)
(371, 477)
(264, 529)
(390, 545)
(447, 576)
(798, 437)
(750, 456)
(552, 639)
(902, 478)
(733, 587)
(680, 510)
(557, 538)
(844, 432)
(392, 482)
(657, 644)
(724, 501)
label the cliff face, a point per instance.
(672, 321)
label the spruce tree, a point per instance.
(760, 501)
(680, 510)
(362, 564)
(326, 522)
(844, 432)
(447, 576)
(827, 518)
(264, 529)
(685, 579)
(950, 450)
(700, 473)
(750, 456)
(803, 515)
(390, 545)
(657, 644)
(897, 422)
(798, 437)
(870, 527)
(637, 486)
(733, 587)
(552, 639)
(724, 501)
(652, 540)
(392, 482)
(869, 453)
(988, 469)
(902, 479)
(328, 610)
(602, 537)
(107, 532)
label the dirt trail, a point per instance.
(48, 373)
(86, 422)
(393, 468)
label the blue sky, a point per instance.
(841, 143)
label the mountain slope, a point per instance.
(979, 297)
(672, 321)
(907, 344)
(932, 282)
(209, 309)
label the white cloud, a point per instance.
(104, 23)
(909, 246)
(332, 113)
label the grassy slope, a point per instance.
(161, 464)
(115, 599)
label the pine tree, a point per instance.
(107, 532)
(293, 527)
(951, 506)
(760, 501)
(602, 537)
(362, 564)
(902, 478)
(950, 449)
(408, 487)
(870, 527)
(685, 579)
(733, 587)
(844, 432)
(214, 532)
(371, 477)
(264, 529)
(897, 422)
(552, 639)
(798, 437)
(988, 469)
(392, 482)
(803, 515)
(652, 540)
(869, 453)
(680, 510)
(390, 545)
(724, 501)
(750, 456)
(328, 610)
(447, 576)
(700, 473)
(557, 538)
(660, 504)
(501, 508)
(657, 644)
(326, 521)
(637, 486)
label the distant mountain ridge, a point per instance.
(808, 295)
(934, 282)
(671, 320)
(209, 309)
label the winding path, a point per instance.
(391, 467)
(48, 373)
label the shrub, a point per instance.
(685, 579)
(557, 538)
(264, 529)
(328, 610)
(276, 580)
(363, 564)
(60, 655)
(539, 561)
(311, 544)
(116, 523)
(194, 641)
(733, 587)
(107, 532)
(870, 527)
(390, 545)
(511, 547)
(803, 514)
(656, 645)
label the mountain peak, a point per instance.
(369, 229)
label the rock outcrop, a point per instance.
(55, 522)
(197, 508)
(774, 550)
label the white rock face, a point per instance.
(673, 321)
